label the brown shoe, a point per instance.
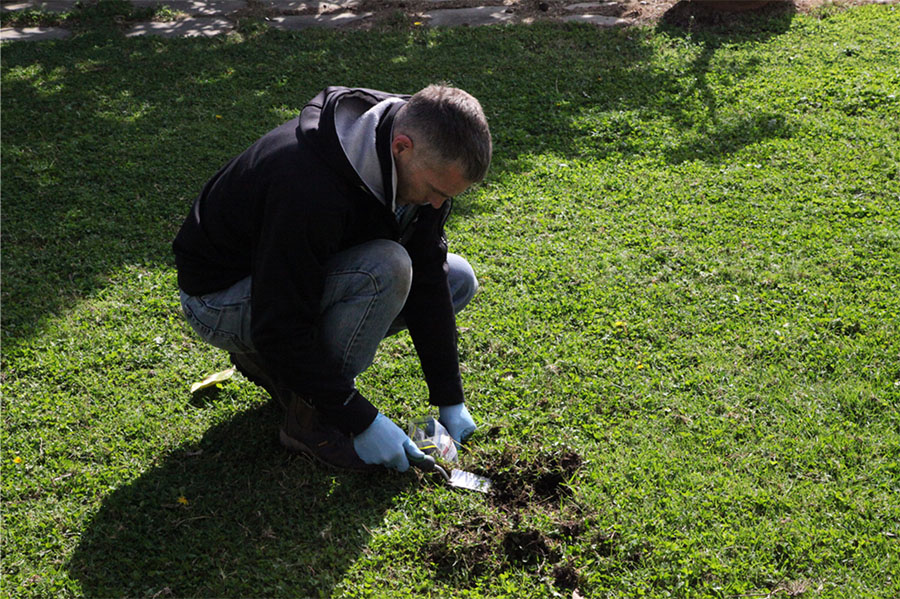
(304, 432)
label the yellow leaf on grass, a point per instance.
(212, 379)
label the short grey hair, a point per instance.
(453, 126)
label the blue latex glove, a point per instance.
(386, 444)
(457, 420)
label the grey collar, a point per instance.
(355, 121)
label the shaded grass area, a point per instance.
(684, 355)
(82, 16)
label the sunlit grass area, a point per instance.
(684, 355)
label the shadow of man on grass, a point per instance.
(233, 515)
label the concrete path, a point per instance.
(215, 17)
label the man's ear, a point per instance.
(401, 143)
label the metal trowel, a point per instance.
(457, 478)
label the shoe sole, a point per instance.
(298, 447)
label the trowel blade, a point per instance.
(466, 480)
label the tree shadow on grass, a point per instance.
(231, 516)
(711, 28)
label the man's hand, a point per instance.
(386, 444)
(458, 422)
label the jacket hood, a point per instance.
(351, 129)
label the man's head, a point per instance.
(441, 145)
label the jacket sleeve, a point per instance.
(429, 308)
(288, 277)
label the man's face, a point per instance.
(423, 181)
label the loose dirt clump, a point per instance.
(467, 547)
(522, 487)
(552, 483)
(570, 530)
(519, 482)
(565, 576)
(527, 547)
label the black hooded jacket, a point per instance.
(278, 212)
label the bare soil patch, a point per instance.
(501, 535)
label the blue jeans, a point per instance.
(365, 290)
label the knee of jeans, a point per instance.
(466, 293)
(463, 283)
(395, 276)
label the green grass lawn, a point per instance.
(684, 355)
